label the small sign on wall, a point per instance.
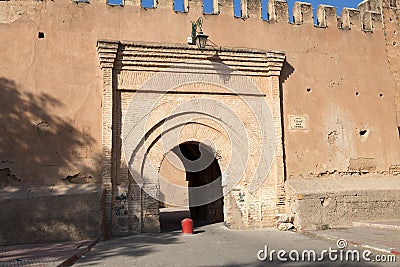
(298, 122)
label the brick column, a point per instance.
(107, 53)
(279, 150)
(275, 66)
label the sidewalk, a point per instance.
(44, 255)
(383, 236)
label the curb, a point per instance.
(72, 259)
(395, 252)
(357, 244)
(376, 225)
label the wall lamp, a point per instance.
(198, 37)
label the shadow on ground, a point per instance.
(138, 246)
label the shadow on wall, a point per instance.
(38, 150)
(287, 70)
(37, 146)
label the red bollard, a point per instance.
(187, 226)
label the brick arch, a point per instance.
(213, 137)
(147, 163)
(153, 147)
(214, 153)
(198, 133)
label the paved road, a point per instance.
(212, 245)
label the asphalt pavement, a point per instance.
(375, 244)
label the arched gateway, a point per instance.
(210, 107)
(185, 168)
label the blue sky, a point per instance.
(339, 4)
(178, 5)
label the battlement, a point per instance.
(303, 13)
(365, 18)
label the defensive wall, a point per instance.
(336, 99)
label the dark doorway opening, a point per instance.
(203, 179)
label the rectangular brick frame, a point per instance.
(112, 61)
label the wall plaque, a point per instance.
(298, 122)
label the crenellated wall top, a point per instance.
(366, 17)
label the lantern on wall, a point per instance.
(198, 37)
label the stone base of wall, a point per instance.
(50, 214)
(319, 203)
